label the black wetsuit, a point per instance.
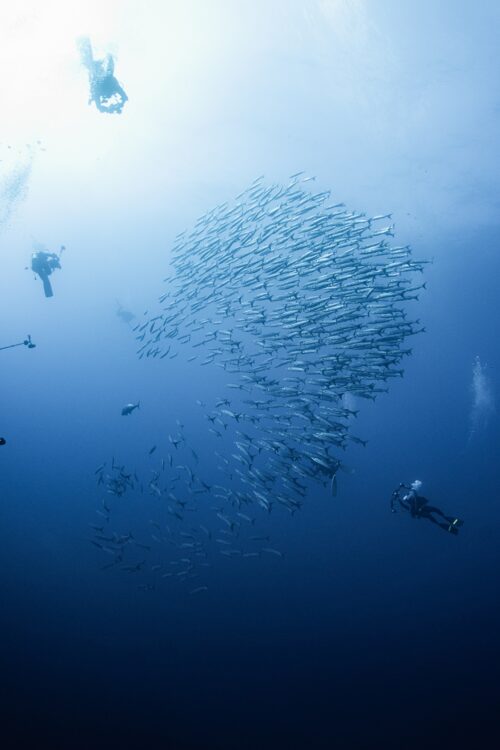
(419, 507)
(43, 264)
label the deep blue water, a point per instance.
(374, 630)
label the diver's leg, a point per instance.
(433, 509)
(86, 55)
(429, 515)
(47, 287)
(451, 519)
(451, 525)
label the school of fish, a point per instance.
(301, 304)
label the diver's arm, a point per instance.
(403, 503)
(395, 498)
(408, 499)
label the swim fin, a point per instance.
(455, 525)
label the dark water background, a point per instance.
(374, 630)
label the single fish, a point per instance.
(129, 408)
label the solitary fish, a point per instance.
(199, 590)
(129, 408)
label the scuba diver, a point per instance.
(407, 497)
(43, 264)
(105, 91)
(27, 342)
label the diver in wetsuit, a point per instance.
(43, 264)
(105, 91)
(27, 342)
(407, 497)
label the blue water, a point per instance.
(373, 630)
